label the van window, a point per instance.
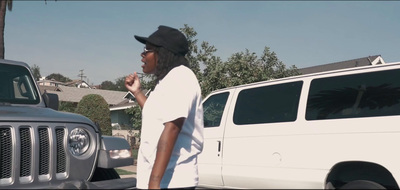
(268, 104)
(360, 95)
(214, 108)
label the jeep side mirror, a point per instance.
(51, 100)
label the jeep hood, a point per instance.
(39, 114)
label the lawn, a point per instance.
(123, 172)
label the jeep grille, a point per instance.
(5, 153)
(25, 145)
(36, 154)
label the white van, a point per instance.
(336, 129)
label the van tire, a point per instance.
(362, 184)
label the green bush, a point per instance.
(135, 153)
(136, 116)
(96, 108)
(67, 106)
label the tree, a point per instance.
(120, 84)
(36, 72)
(96, 108)
(136, 117)
(272, 68)
(243, 68)
(194, 62)
(58, 77)
(107, 85)
(204, 55)
(214, 76)
(3, 5)
(148, 81)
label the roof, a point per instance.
(125, 104)
(49, 81)
(130, 96)
(370, 60)
(129, 101)
(75, 83)
(73, 94)
(44, 88)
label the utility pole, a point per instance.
(81, 74)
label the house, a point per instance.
(132, 136)
(52, 82)
(118, 101)
(118, 115)
(78, 84)
(74, 94)
(74, 83)
(365, 61)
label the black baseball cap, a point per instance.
(169, 38)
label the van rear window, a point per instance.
(352, 96)
(268, 104)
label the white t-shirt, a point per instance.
(177, 95)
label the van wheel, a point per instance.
(101, 174)
(362, 184)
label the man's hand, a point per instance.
(132, 83)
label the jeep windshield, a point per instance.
(17, 86)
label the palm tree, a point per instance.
(3, 5)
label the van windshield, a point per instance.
(17, 86)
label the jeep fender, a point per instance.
(114, 152)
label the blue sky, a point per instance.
(97, 36)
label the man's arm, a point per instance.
(165, 147)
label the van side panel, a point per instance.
(275, 156)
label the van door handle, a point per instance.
(219, 148)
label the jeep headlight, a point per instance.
(79, 141)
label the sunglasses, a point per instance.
(145, 51)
